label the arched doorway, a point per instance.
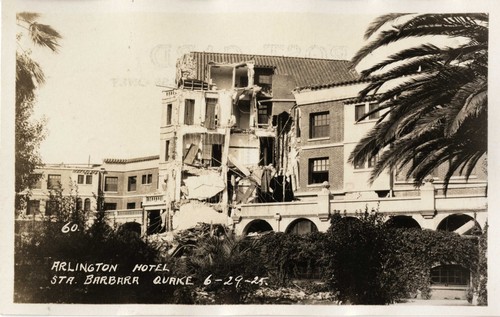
(461, 224)
(301, 226)
(257, 226)
(406, 222)
(131, 227)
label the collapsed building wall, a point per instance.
(225, 143)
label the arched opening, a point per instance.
(450, 275)
(461, 224)
(406, 222)
(301, 226)
(257, 226)
(131, 227)
(86, 204)
(79, 204)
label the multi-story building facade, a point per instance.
(124, 184)
(284, 167)
(79, 181)
(224, 131)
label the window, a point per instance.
(54, 181)
(38, 183)
(169, 114)
(374, 115)
(450, 275)
(33, 207)
(189, 111)
(109, 206)
(80, 179)
(370, 164)
(88, 179)
(86, 204)
(318, 170)
(361, 110)
(147, 179)
(167, 149)
(132, 183)
(264, 79)
(210, 113)
(130, 205)
(263, 114)
(111, 184)
(79, 204)
(320, 125)
(50, 207)
(265, 82)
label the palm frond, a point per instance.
(28, 17)
(381, 21)
(44, 35)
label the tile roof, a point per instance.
(131, 160)
(306, 71)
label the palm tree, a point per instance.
(435, 99)
(29, 76)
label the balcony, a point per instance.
(155, 201)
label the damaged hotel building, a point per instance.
(261, 143)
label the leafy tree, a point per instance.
(368, 262)
(29, 76)
(436, 100)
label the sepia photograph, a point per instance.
(192, 158)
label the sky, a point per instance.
(102, 96)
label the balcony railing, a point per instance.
(124, 213)
(154, 198)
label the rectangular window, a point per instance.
(132, 183)
(359, 112)
(374, 115)
(167, 149)
(38, 183)
(33, 207)
(263, 113)
(169, 114)
(109, 206)
(130, 205)
(371, 163)
(320, 125)
(111, 184)
(318, 170)
(80, 179)
(147, 178)
(50, 207)
(210, 113)
(53, 181)
(189, 111)
(88, 179)
(264, 79)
